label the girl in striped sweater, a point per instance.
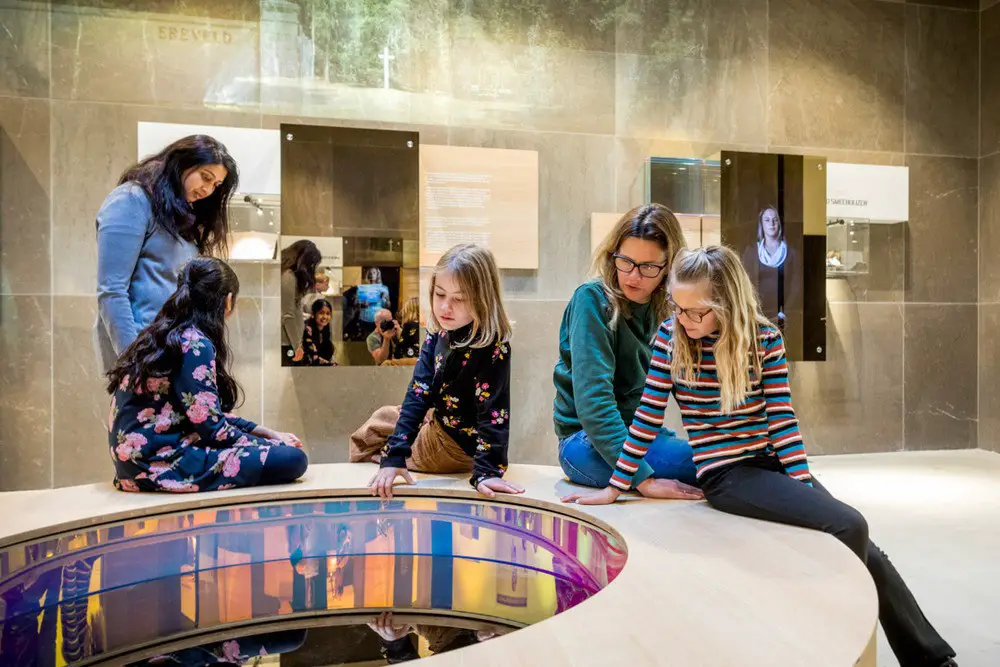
(724, 363)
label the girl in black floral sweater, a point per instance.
(456, 414)
(317, 342)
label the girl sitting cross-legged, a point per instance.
(171, 390)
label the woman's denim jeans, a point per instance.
(668, 456)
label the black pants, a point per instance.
(758, 488)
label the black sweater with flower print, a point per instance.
(469, 390)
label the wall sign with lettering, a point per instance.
(875, 193)
(172, 33)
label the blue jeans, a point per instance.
(668, 456)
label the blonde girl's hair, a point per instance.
(410, 312)
(738, 353)
(475, 271)
(652, 222)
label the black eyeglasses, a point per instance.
(692, 315)
(646, 269)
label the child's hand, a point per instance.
(605, 496)
(381, 483)
(387, 630)
(494, 485)
(288, 439)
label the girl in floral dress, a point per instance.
(171, 391)
(456, 414)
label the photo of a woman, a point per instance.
(772, 250)
(775, 267)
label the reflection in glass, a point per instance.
(353, 193)
(768, 208)
(255, 221)
(847, 247)
(690, 188)
(300, 260)
(386, 638)
(103, 590)
(772, 250)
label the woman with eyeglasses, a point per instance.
(605, 346)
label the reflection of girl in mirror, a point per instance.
(166, 209)
(771, 247)
(172, 389)
(408, 346)
(316, 340)
(298, 277)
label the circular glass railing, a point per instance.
(345, 581)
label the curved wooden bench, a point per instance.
(700, 587)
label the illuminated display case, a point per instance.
(848, 247)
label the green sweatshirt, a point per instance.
(601, 371)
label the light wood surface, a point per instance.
(700, 587)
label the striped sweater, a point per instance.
(764, 423)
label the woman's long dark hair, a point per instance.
(199, 302)
(302, 258)
(205, 222)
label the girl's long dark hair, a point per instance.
(302, 258)
(205, 222)
(320, 304)
(199, 302)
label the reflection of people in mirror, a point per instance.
(382, 341)
(771, 247)
(363, 302)
(775, 265)
(298, 276)
(408, 345)
(372, 295)
(398, 645)
(320, 290)
(317, 342)
(238, 651)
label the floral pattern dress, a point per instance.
(172, 435)
(469, 389)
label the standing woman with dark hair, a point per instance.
(167, 209)
(298, 275)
